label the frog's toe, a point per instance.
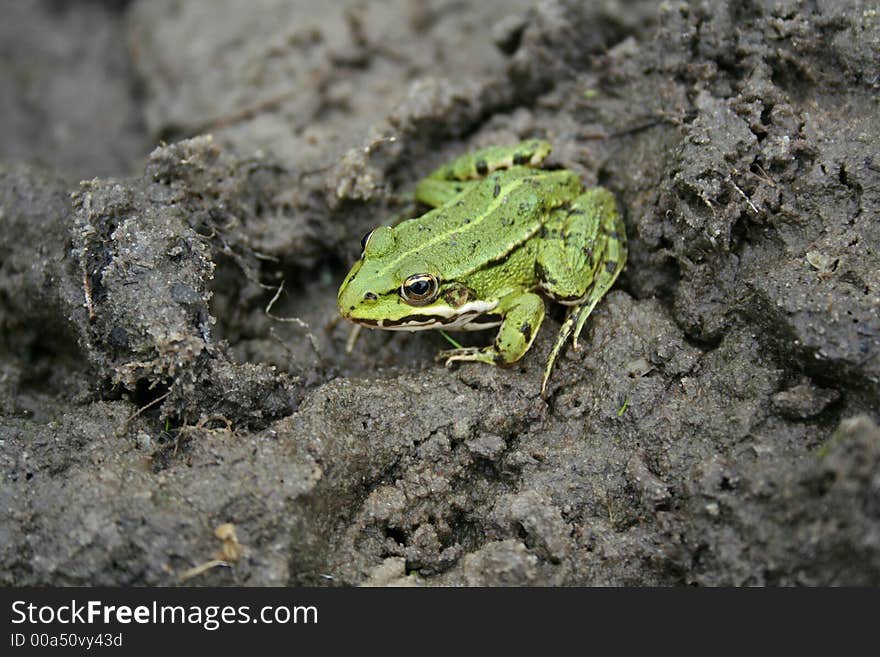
(465, 354)
(449, 356)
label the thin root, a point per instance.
(313, 341)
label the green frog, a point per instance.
(503, 235)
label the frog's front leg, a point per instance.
(523, 315)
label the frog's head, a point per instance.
(398, 289)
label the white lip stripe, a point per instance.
(465, 318)
(463, 324)
(471, 307)
(474, 326)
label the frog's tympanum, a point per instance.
(503, 233)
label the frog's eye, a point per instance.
(365, 239)
(379, 242)
(420, 289)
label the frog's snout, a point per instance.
(345, 301)
(350, 299)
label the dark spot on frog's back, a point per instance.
(539, 271)
(541, 274)
(610, 266)
(522, 158)
(526, 330)
(482, 167)
(496, 191)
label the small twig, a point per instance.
(765, 176)
(142, 409)
(87, 289)
(743, 194)
(210, 418)
(265, 256)
(282, 343)
(352, 338)
(708, 203)
(201, 568)
(229, 552)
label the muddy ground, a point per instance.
(718, 425)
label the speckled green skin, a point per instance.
(502, 231)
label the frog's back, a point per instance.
(485, 223)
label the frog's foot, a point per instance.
(564, 332)
(481, 355)
(523, 314)
(577, 315)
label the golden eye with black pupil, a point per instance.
(420, 289)
(369, 296)
(364, 240)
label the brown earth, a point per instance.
(718, 425)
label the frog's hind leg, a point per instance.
(435, 192)
(480, 163)
(582, 252)
(445, 183)
(610, 267)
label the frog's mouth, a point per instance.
(472, 316)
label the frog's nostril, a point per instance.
(369, 296)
